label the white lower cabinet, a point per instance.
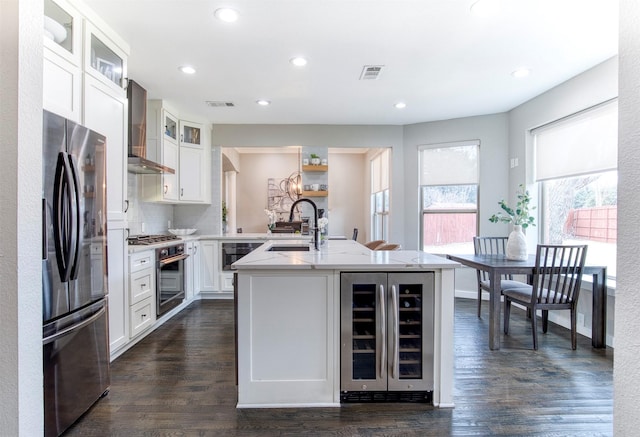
(287, 338)
(142, 286)
(209, 265)
(118, 285)
(192, 270)
(143, 315)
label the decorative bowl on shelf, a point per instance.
(182, 232)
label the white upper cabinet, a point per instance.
(62, 54)
(190, 134)
(104, 59)
(105, 112)
(181, 145)
(63, 30)
(192, 171)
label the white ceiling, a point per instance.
(438, 57)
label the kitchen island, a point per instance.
(289, 319)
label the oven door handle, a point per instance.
(173, 259)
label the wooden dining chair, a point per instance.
(374, 243)
(491, 246)
(556, 286)
(388, 246)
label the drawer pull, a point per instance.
(143, 285)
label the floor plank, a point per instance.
(179, 381)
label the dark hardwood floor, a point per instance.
(179, 381)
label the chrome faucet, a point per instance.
(315, 228)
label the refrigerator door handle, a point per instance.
(383, 332)
(73, 328)
(45, 237)
(394, 300)
(60, 213)
(75, 215)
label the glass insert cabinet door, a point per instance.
(387, 331)
(59, 25)
(104, 59)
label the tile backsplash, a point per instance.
(146, 217)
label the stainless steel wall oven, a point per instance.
(170, 284)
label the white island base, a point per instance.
(288, 321)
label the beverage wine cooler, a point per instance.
(387, 337)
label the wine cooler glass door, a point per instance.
(410, 333)
(364, 337)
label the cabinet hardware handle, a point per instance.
(143, 285)
(126, 205)
(166, 189)
(143, 315)
(181, 192)
(394, 299)
(383, 330)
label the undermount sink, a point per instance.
(289, 248)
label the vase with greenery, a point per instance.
(521, 219)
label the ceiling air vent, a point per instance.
(371, 72)
(218, 104)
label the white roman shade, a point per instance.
(583, 143)
(449, 164)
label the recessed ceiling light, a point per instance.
(263, 102)
(486, 8)
(298, 61)
(187, 69)
(227, 15)
(400, 105)
(521, 72)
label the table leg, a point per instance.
(494, 311)
(599, 310)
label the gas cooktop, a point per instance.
(143, 240)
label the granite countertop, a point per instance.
(254, 236)
(235, 237)
(339, 255)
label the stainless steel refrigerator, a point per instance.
(74, 272)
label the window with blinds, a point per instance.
(380, 202)
(449, 196)
(576, 167)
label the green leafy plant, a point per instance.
(518, 215)
(314, 156)
(224, 211)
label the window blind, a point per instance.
(455, 164)
(580, 144)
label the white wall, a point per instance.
(251, 186)
(626, 372)
(348, 198)
(21, 398)
(330, 136)
(492, 131)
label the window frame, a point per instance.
(421, 186)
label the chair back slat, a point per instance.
(558, 274)
(490, 246)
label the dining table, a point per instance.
(498, 265)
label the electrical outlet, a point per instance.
(580, 319)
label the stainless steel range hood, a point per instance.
(138, 162)
(140, 165)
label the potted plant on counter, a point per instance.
(315, 159)
(521, 219)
